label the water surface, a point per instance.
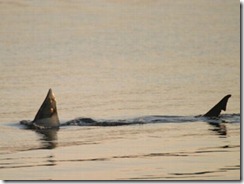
(120, 60)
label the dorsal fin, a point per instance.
(216, 110)
(47, 115)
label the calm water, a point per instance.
(120, 60)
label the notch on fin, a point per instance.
(216, 110)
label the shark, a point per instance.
(47, 115)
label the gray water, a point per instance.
(121, 60)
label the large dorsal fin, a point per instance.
(47, 115)
(216, 110)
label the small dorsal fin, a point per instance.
(216, 110)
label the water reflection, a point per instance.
(218, 128)
(48, 138)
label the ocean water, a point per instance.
(161, 62)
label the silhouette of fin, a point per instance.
(216, 110)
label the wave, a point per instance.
(84, 121)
